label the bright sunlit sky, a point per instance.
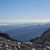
(24, 11)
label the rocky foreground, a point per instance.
(38, 43)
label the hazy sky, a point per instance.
(24, 11)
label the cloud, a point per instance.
(20, 21)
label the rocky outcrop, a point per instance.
(8, 43)
(44, 37)
(43, 41)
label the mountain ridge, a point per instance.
(26, 32)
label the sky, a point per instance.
(24, 11)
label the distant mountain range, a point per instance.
(24, 32)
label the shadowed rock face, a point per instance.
(46, 35)
(5, 35)
(43, 38)
(42, 42)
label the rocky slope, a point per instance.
(43, 41)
